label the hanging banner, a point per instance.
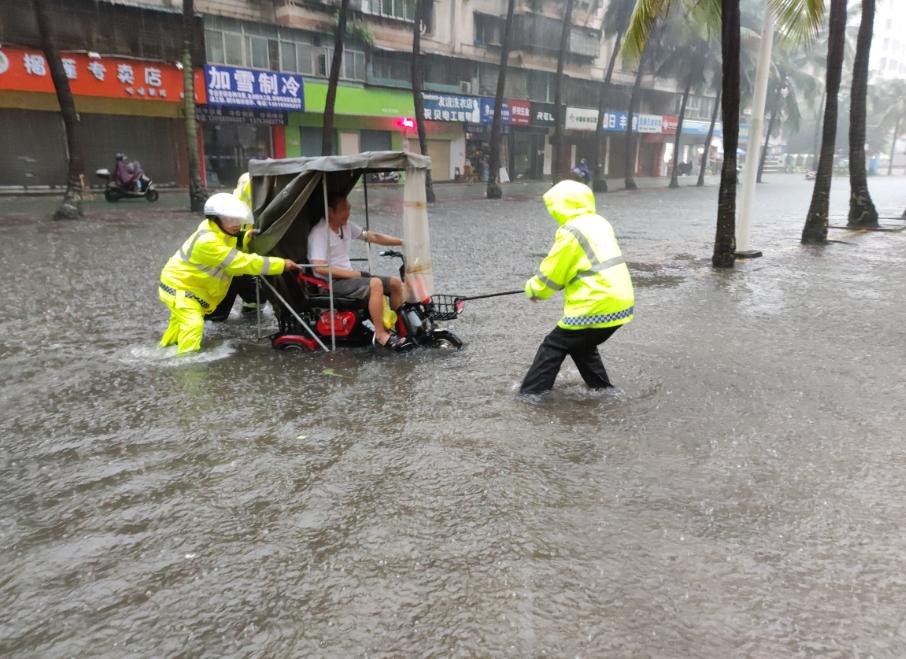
(449, 107)
(581, 119)
(247, 88)
(520, 112)
(226, 115)
(23, 69)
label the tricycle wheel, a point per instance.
(152, 195)
(445, 339)
(111, 195)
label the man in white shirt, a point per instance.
(347, 282)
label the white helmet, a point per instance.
(225, 206)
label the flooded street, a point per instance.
(742, 493)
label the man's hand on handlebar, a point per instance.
(289, 264)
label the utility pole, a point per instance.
(750, 171)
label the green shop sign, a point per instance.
(368, 102)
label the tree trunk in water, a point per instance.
(417, 99)
(674, 179)
(701, 172)
(71, 206)
(815, 229)
(629, 156)
(767, 139)
(862, 211)
(197, 193)
(893, 147)
(327, 145)
(494, 191)
(556, 165)
(600, 176)
(725, 238)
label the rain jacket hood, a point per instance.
(568, 200)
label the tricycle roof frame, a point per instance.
(369, 161)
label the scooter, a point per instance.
(352, 326)
(113, 192)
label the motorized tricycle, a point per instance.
(289, 197)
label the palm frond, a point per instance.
(798, 20)
(644, 17)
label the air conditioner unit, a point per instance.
(465, 86)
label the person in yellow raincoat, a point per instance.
(198, 275)
(587, 265)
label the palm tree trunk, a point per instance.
(701, 172)
(197, 193)
(556, 165)
(862, 211)
(893, 147)
(494, 191)
(767, 138)
(674, 179)
(818, 113)
(600, 176)
(725, 237)
(629, 156)
(327, 145)
(417, 99)
(815, 229)
(71, 206)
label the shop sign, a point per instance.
(448, 107)
(581, 119)
(520, 112)
(669, 124)
(647, 123)
(27, 70)
(226, 115)
(543, 114)
(487, 111)
(697, 127)
(248, 88)
(615, 122)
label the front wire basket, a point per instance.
(444, 307)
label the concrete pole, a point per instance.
(756, 128)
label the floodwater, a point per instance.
(742, 492)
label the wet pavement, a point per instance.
(742, 493)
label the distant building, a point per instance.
(888, 48)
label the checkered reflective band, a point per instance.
(599, 318)
(172, 291)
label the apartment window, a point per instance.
(404, 9)
(487, 79)
(388, 67)
(488, 29)
(289, 60)
(232, 46)
(353, 65)
(213, 43)
(516, 84)
(540, 86)
(262, 53)
(306, 58)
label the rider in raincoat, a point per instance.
(197, 277)
(587, 265)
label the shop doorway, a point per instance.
(229, 147)
(439, 151)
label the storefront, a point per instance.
(125, 106)
(245, 118)
(446, 118)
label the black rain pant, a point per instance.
(581, 345)
(242, 285)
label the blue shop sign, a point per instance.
(449, 107)
(248, 88)
(615, 122)
(487, 111)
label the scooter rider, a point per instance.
(587, 265)
(198, 275)
(332, 253)
(126, 174)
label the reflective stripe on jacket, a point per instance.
(585, 263)
(208, 260)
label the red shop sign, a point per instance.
(24, 69)
(669, 124)
(520, 112)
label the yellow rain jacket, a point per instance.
(585, 263)
(206, 263)
(243, 191)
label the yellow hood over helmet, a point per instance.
(568, 200)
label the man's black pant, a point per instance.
(581, 345)
(242, 285)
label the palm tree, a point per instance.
(629, 155)
(701, 172)
(494, 191)
(197, 193)
(815, 229)
(556, 165)
(71, 206)
(862, 211)
(686, 55)
(327, 146)
(417, 99)
(616, 19)
(893, 98)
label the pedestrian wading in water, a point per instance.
(587, 265)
